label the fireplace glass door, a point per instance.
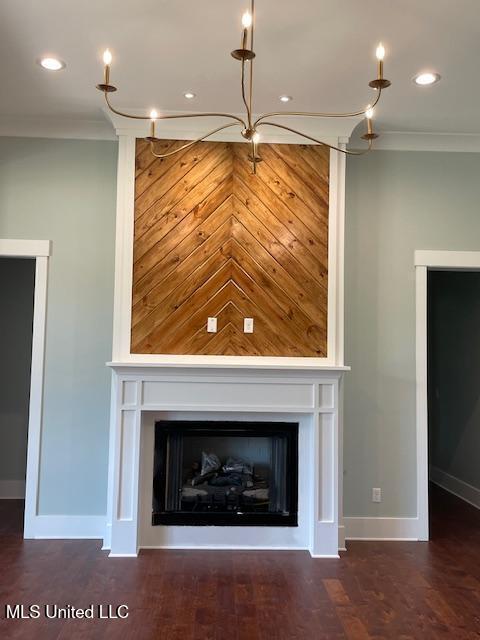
(225, 473)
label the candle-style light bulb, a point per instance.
(256, 137)
(107, 57)
(247, 20)
(369, 116)
(107, 61)
(380, 53)
(246, 24)
(153, 118)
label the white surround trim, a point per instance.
(143, 393)
(124, 249)
(425, 260)
(40, 250)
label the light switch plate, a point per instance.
(212, 325)
(248, 325)
(376, 494)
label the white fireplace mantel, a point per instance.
(144, 393)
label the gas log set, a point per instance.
(233, 485)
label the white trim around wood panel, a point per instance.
(124, 267)
(425, 260)
(40, 250)
(336, 236)
(122, 306)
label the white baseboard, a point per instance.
(107, 537)
(67, 527)
(93, 527)
(357, 528)
(12, 489)
(458, 487)
(216, 547)
(341, 537)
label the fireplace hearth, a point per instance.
(225, 473)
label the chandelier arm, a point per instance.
(173, 116)
(317, 115)
(191, 143)
(320, 142)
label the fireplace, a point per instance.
(225, 473)
(301, 406)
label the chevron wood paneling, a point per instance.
(211, 239)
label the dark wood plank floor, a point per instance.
(376, 590)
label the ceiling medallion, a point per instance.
(249, 127)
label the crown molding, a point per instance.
(11, 126)
(330, 131)
(423, 141)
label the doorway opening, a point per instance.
(453, 351)
(17, 287)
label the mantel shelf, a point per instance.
(231, 363)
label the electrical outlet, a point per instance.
(376, 494)
(212, 325)
(248, 325)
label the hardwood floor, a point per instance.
(376, 590)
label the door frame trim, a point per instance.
(40, 250)
(425, 260)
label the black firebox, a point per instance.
(225, 473)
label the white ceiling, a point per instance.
(319, 51)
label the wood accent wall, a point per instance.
(211, 239)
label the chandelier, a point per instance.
(250, 128)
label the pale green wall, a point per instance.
(64, 191)
(396, 202)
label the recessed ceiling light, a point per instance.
(189, 95)
(426, 78)
(51, 64)
(285, 98)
